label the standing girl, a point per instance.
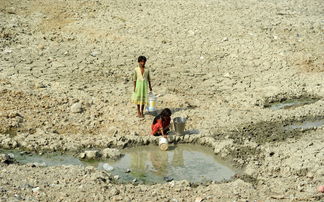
(142, 81)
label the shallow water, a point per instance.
(181, 162)
(308, 124)
(48, 159)
(291, 104)
(148, 164)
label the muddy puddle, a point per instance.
(306, 124)
(148, 164)
(48, 159)
(291, 103)
(263, 132)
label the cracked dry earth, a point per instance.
(65, 85)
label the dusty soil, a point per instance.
(65, 85)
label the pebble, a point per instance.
(225, 39)
(7, 51)
(168, 179)
(82, 155)
(95, 53)
(76, 108)
(199, 199)
(4, 158)
(36, 189)
(111, 153)
(114, 191)
(39, 85)
(11, 155)
(92, 154)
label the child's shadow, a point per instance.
(192, 132)
(173, 110)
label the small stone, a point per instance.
(92, 154)
(39, 85)
(225, 39)
(128, 170)
(191, 33)
(168, 179)
(134, 180)
(7, 51)
(172, 184)
(11, 155)
(227, 75)
(116, 177)
(76, 108)
(36, 189)
(114, 191)
(310, 175)
(111, 153)
(18, 197)
(36, 164)
(4, 158)
(41, 47)
(95, 53)
(82, 155)
(199, 199)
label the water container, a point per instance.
(163, 144)
(152, 99)
(179, 125)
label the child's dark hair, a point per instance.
(165, 113)
(141, 59)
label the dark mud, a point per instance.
(264, 132)
(290, 103)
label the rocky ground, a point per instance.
(65, 85)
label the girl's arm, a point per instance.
(149, 81)
(162, 132)
(150, 85)
(134, 79)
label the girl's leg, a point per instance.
(138, 110)
(142, 110)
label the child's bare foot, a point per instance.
(138, 114)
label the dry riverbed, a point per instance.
(247, 75)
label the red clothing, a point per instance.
(160, 124)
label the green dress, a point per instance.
(139, 97)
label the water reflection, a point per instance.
(155, 160)
(177, 160)
(190, 162)
(159, 160)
